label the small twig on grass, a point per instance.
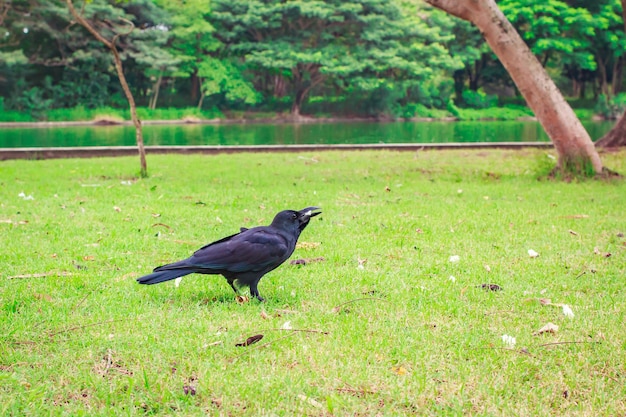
(300, 330)
(84, 326)
(41, 275)
(522, 351)
(355, 391)
(337, 308)
(499, 311)
(85, 297)
(568, 343)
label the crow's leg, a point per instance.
(232, 285)
(254, 292)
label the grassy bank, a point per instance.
(390, 323)
(110, 114)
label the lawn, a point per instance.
(389, 316)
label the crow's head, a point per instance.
(292, 220)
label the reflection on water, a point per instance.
(286, 133)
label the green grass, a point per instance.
(85, 339)
(508, 112)
(505, 112)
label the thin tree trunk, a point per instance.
(202, 96)
(196, 84)
(157, 88)
(120, 73)
(571, 140)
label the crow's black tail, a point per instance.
(162, 276)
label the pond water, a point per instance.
(286, 133)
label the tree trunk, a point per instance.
(120, 73)
(196, 84)
(614, 137)
(572, 142)
(459, 86)
(617, 135)
(157, 88)
(202, 95)
(295, 108)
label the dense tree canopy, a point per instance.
(364, 45)
(369, 57)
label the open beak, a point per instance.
(305, 215)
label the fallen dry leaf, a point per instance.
(548, 328)
(116, 208)
(250, 341)
(242, 299)
(399, 370)
(264, 315)
(310, 400)
(89, 258)
(491, 287)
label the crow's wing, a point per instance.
(254, 250)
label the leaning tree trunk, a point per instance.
(572, 142)
(120, 73)
(617, 135)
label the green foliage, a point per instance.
(611, 108)
(399, 52)
(508, 112)
(554, 30)
(223, 77)
(13, 116)
(413, 110)
(366, 45)
(81, 113)
(178, 113)
(479, 99)
(584, 114)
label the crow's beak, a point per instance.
(309, 212)
(305, 215)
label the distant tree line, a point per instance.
(364, 57)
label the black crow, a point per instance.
(245, 256)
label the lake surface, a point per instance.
(286, 133)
